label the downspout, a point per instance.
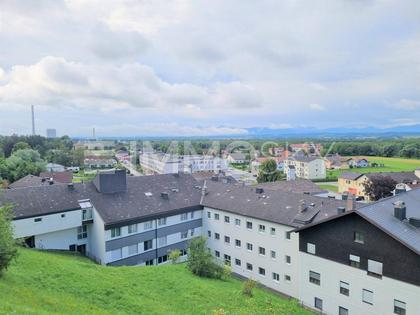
(156, 238)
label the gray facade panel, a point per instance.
(135, 260)
(165, 250)
(129, 240)
(180, 227)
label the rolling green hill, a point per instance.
(54, 283)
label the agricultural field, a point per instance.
(59, 283)
(390, 165)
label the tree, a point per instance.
(379, 187)
(200, 261)
(8, 246)
(174, 255)
(268, 172)
(21, 145)
(22, 163)
(248, 287)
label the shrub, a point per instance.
(8, 246)
(248, 286)
(174, 255)
(200, 260)
(220, 311)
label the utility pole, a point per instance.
(33, 119)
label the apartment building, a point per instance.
(308, 167)
(365, 261)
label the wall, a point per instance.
(96, 237)
(60, 240)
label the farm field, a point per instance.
(390, 165)
(58, 283)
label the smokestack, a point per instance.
(33, 120)
(351, 203)
(400, 210)
(94, 133)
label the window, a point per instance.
(216, 216)
(237, 222)
(184, 234)
(162, 259)
(116, 254)
(354, 261)
(287, 278)
(238, 243)
(249, 225)
(217, 236)
(237, 262)
(227, 219)
(115, 232)
(318, 303)
(148, 225)
(261, 250)
(288, 235)
(149, 262)
(375, 268)
(162, 241)
(343, 311)
(192, 232)
(273, 254)
(367, 296)
(184, 216)
(314, 277)
(132, 228)
(209, 214)
(288, 259)
(209, 233)
(249, 246)
(38, 220)
(311, 248)
(261, 228)
(82, 232)
(399, 307)
(359, 237)
(148, 245)
(227, 260)
(248, 266)
(63, 215)
(344, 288)
(273, 231)
(261, 271)
(192, 215)
(227, 239)
(162, 221)
(276, 276)
(217, 253)
(133, 249)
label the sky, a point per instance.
(197, 68)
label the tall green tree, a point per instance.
(200, 260)
(8, 245)
(20, 164)
(268, 172)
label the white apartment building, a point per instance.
(308, 167)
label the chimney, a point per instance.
(351, 203)
(400, 210)
(259, 190)
(341, 210)
(70, 186)
(164, 195)
(345, 196)
(215, 178)
(302, 206)
(415, 222)
(400, 188)
(112, 181)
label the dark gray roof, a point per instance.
(28, 181)
(303, 158)
(399, 177)
(271, 205)
(350, 175)
(183, 192)
(294, 186)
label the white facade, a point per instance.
(204, 163)
(314, 169)
(275, 244)
(384, 290)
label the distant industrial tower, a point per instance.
(33, 120)
(51, 133)
(94, 134)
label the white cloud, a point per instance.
(317, 107)
(407, 104)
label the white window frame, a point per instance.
(130, 228)
(367, 296)
(311, 248)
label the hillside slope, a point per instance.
(51, 283)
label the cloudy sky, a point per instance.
(207, 67)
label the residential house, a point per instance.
(28, 181)
(59, 177)
(256, 163)
(53, 167)
(237, 158)
(97, 162)
(308, 167)
(333, 161)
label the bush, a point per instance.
(248, 286)
(200, 260)
(220, 311)
(8, 246)
(174, 255)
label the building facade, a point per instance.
(307, 167)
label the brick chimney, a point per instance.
(351, 202)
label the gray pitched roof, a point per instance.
(28, 181)
(274, 206)
(350, 175)
(294, 186)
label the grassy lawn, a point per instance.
(86, 176)
(51, 283)
(240, 166)
(328, 187)
(390, 165)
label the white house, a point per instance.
(308, 167)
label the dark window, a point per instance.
(261, 271)
(63, 215)
(249, 266)
(148, 245)
(115, 232)
(344, 288)
(227, 219)
(249, 225)
(318, 303)
(314, 277)
(238, 243)
(209, 233)
(38, 219)
(261, 228)
(354, 261)
(288, 235)
(359, 237)
(249, 246)
(227, 260)
(237, 262)
(82, 232)
(288, 259)
(216, 216)
(399, 307)
(287, 278)
(261, 250)
(216, 253)
(343, 311)
(217, 236)
(208, 214)
(149, 262)
(227, 239)
(276, 276)
(162, 259)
